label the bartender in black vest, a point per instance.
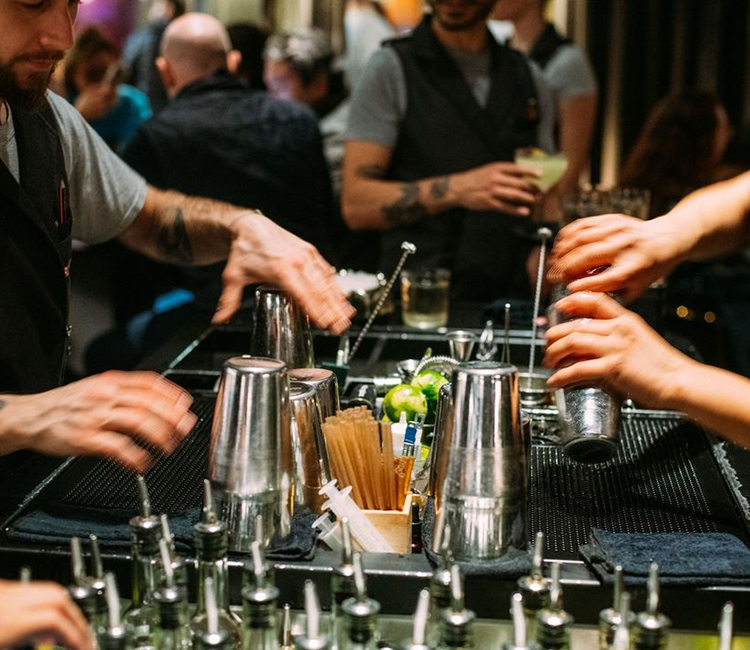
(433, 130)
(59, 181)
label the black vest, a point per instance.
(446, 131)
(35, 253)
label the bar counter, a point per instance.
(710, 467)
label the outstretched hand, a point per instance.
(609, 346)
(261, 251)
(41, 613)
(112, 414)
(635, 252)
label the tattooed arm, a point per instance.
(371, 202)
(181, 229)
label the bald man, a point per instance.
(221, 140)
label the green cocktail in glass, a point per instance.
(552, 166)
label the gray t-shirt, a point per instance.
(570, 74)
(105, 194)
(379, 103)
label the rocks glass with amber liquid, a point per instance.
(424, 298)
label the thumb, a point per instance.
(229, 301)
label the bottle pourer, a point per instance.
(521, 639)
(553, 622)
(81, 591)
(285, 641)
(418, 639)
(621, 638)
(260, 595)
(214, 636)
(210, 533)
(312, 638)
(725, 627)
(114, 635)
(179, 566)
(360, 612)
(342, 579)
(145, 527)
(534, 588)
(97, 579)
(456, 622)
(610, 618)
(651, 628)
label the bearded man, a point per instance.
(433, 129)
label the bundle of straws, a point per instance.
(361, 453)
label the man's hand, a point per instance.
(636, 252)
(41, 613)
(96, 101)
(500, 186)
(261, 251)
(616, 350)
(102, 415)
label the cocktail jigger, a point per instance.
(311, 465)
(461, 344)
(485, 486)
(326, 388)
(589, 415)
(281, 330)
(250, 464)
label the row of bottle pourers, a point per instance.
(159, 616)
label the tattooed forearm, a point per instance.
(407, 209)
(439, 188)
(173, 237)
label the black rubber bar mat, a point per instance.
(663, 479)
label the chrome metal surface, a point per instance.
(326, 388)
(461, 344)
(484, 492)
(281, 330)
(311, 465)
(250, 460)
(441, 441)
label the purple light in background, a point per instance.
(117, 18)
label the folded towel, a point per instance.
(695, 559)
(56, 523)
(514, 564)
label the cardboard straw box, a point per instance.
(394, 525)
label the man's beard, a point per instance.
(481, 10)
(27, 94)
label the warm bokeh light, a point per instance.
(405, 14)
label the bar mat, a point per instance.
(57, 523)
(684, 559)
(514, 565)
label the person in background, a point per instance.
(142, 48)
(609, 345)
(679, 149)
(299, 67)
(433, 129)
(114, 110)
(250, 41)
(218, 139)
(366, 26)
(568, 72)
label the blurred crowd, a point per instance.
(403, 136)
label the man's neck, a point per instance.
(528, 30)
(473, 39)
(4, 112)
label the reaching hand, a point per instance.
(612, 347)
(636, 252)
(102, 415)
(500, 186)
(41, 613)
(261, 251)
(96, 101)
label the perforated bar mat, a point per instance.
(663, 479)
